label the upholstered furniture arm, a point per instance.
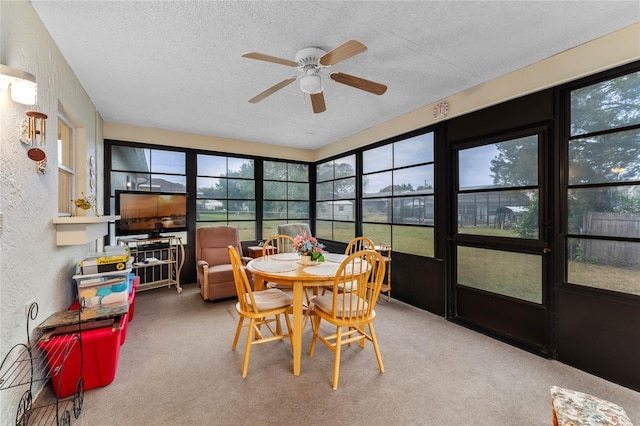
(202, 267)
(245, 259)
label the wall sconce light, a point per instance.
(23, 85)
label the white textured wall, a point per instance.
(32, 267)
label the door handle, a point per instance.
(546, 250)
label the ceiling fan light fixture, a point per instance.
(311, 82)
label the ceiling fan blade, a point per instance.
(272, 90)
(359, 83)
(317, 102)
(342, 52)
(263, 57)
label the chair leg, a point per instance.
(238, 330)
(288, 322)
(364, 336)
(375, 347)
(336, 361)
(315, 322)
(247, 350)
(314, 292)
(278, 325)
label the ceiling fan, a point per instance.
(313, 62)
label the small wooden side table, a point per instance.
(385, 251)
(256, 251)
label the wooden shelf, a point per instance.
(77, 230)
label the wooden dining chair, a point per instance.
(359, 243)
(350, 310)
(278, 244)
(260, 308)
(356, 244)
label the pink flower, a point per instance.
(307, 245)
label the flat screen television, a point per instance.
(151, 213)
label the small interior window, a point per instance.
(66, 144)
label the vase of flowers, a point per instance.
(309, 249)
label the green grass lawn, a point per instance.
(489, 231)
(512, 274)
(626, 280)
(519, 275)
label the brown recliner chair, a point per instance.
(213, 265)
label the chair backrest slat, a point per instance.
(359, 243)
(357, 285)
(282, 244)
(243, 287)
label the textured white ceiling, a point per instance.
(179, 65)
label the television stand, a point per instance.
(167, 253)
(156, 236)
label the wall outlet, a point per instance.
(27, 306)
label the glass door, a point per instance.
(500, 236)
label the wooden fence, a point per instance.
(618, 253)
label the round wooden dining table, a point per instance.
(286, 269)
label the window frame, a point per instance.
(569, 235)
(423, 230)
(289, 218)
(227, 176)
(345, 227)
(67, 170)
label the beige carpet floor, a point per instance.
(176, 367)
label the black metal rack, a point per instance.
(25, 365)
